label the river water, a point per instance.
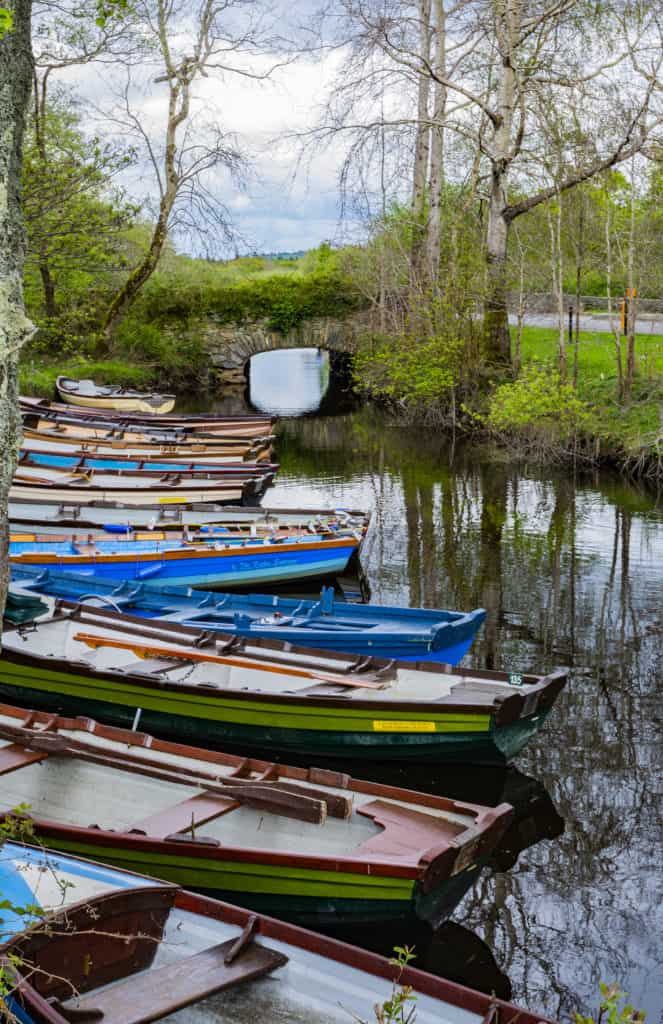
(570, 570)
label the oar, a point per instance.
(52, 741)
(286, 800)
(145, 651)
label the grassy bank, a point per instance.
(629, 429)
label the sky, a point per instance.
(289, 201)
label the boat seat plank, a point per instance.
(179, 817)
(148, 665)
(14, 756)
(406, 833)
(154, 994)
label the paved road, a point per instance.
(589, 322)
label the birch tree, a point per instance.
(218, 37)
(15, 328)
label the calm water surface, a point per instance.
(570, 570)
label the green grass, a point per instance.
(40, 380)
(597, 381)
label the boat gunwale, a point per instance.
(186, 551)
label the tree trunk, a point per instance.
(631, 301)
(496, 337)
(48, 286)
(15, 328)
(422, 145)
(140, 274)
(580, 260)
(436, 179)
(608, 284)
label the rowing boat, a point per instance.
(258, 521)
(74, 426)
(408, 634)
(84, 463)
(41, 407)
(261, 695)
(111, 396)
(28, 487)
(155, 446)
(312, 845)
(52, 452)
(228, 562)
(118, 947)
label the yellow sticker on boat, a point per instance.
(176, 498)
(403, 726)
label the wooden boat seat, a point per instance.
(14, 756)
(197, 810)
(154, 994)
(152, 665)
(406, 833)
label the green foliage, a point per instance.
(6, 21)
(539, 407)
(285, 299)
(75, 221)
(400, 1007)
(407, 369)
(40, 379)
(609, 1011)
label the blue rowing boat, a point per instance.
(229, 563)
(407, 634)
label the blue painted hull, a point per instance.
(171, 466)
(405, 634)
(250, 565)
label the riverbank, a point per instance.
(600, 429)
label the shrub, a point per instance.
(537, 408)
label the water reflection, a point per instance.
(289, 382)
(569, 571)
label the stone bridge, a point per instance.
(229, 347)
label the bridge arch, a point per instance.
(230, 347)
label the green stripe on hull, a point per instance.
(270, 728)
(216, 707)
(298, 894)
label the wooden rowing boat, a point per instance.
(260, 695)
(229, 562)
(117, 947)
(143, 468)
(91, 430)
(41, 407)
(311, 845)
(50, 448)
(260, 522)
(41, 485)
(407, 634)
(114, 443)
(111, 396)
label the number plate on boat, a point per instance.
(403, 726)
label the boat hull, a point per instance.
(118, 404)
(304, 896)
(258, 564)
(220, 721)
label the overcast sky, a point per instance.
(288, 202)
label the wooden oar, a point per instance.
(52, 741)
(287, 800)
(145, 651)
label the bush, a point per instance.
(537, 408)
(284, 299)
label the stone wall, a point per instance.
(230, 346)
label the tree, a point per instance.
(74, 216)
(219, 31)
(601, 61)
(15, 328)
